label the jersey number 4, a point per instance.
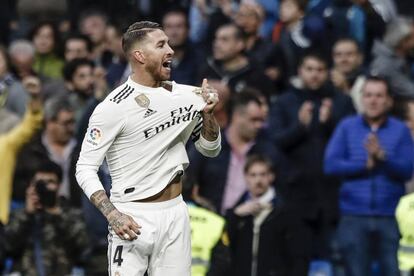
(118, 255)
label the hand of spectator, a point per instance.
(248, 208)
(370, 163)
(210, 96)
(124, 226)
(373, 147)
(305, 113)
(32, 200)
(226, 7)
(339, 80)
(56, 210)
(202, 6)
(33, 87)
(325, 111)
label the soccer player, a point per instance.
(142, 128)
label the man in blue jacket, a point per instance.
(373, 154)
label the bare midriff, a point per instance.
(172, 190)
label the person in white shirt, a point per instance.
(141, 128)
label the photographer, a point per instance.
(45, 238)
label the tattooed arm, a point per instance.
(209, 142)
(123, 225)
(210, 129)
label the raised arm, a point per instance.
(209, 142)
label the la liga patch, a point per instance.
(94, 136)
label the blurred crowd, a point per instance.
(317, 118)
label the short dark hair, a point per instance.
(314, 55)
(48, 166)
(258, 158)
(79, 36)
(179, 12)
(93, 11)
(347, 39)
(379, 78)
(239, 33)
(241, 100)
(70, 67)
(137, 32)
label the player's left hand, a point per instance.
(210, 96)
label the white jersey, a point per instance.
(142, 132)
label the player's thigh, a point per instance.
(124, 258)
(173, 257)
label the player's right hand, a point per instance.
(124, 226)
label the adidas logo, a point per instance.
(149, 112)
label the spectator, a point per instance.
(57, 143)
(405, 218)
(301, 122)
(230, 64)
(347, 73)
(264, 239)
(45, 238)
(118, 69)
(372, 153)
(186, 57)
(220, 182)
(249, 18)
(93, 23)
(293, 35)
(362, 20)
(46, 42)
(8, 119)
(22, 56)
(209, 242)
(77, 46)
(390, 57)
(78, 75)
(12, 142)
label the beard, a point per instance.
(155, 70)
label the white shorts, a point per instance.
(164, 245)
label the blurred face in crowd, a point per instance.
(259, 178)
(226, 45)
(176, 29)
(313, 73)
(114, 41)
(43, 40)
(82, 80)
(248, 18)
(76, 48)
(62, 129)
(3, 63)
(249, 121)
(346, 56)
(156, 55)
(289, 11)
(23, 62)
(375, 100)
(94, 26)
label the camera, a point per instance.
(46, 197)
